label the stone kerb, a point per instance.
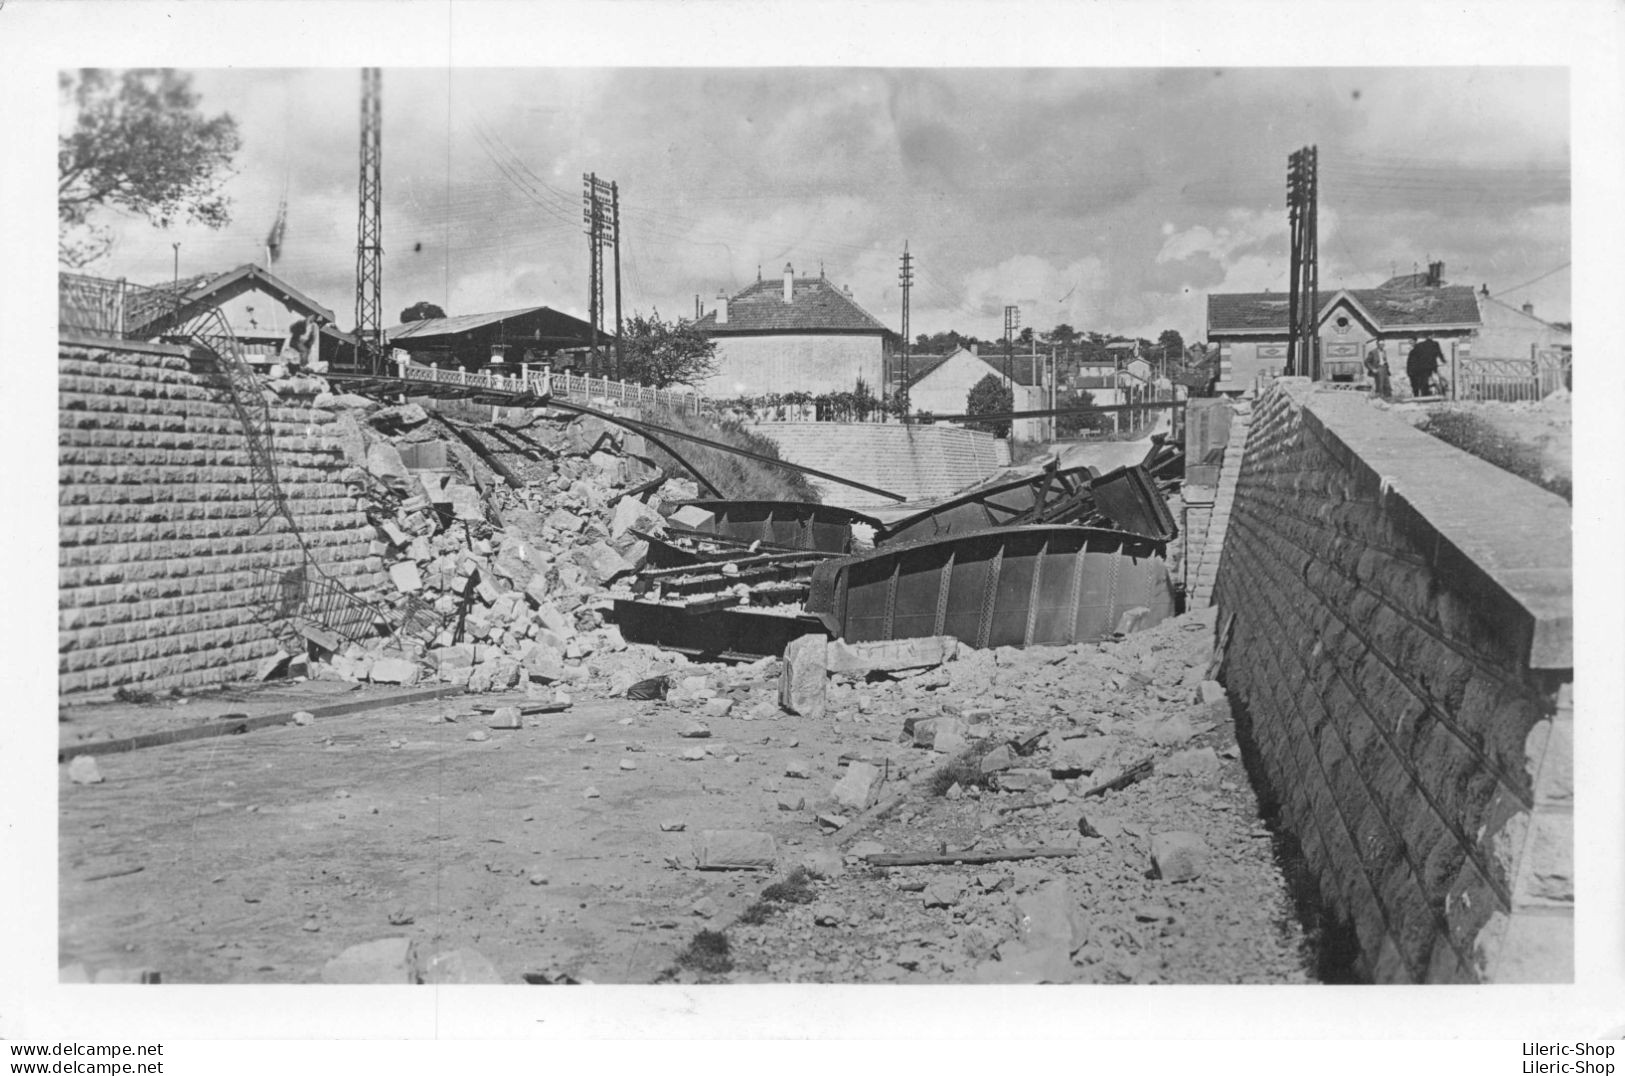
(1398, 648)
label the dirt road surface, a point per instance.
(565, 850)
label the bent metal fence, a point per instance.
(1512, 380)
(97, 307)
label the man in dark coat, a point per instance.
(1420, 365)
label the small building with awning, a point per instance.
(535, 334)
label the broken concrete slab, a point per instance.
(1178, 856)
(891, 655)
(1196, 762)
(802, 683)
(600, 562)
(406, 577)
(941, 733)
(393, 671)
(384, 463)
(387, 960)
(859, 788)
(1074, 758)
(632, 514)
(693, 517)
(1209, 692)
(736, 849)
(466, 503)
(1000, 758)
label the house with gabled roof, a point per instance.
(1251, 329)
(259, 306)
(796, 334)
(943, 383)
(1514, 332)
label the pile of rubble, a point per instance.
(1070, 814)
(517, 535)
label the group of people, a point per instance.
(1422, 365)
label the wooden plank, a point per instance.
(1002, 855)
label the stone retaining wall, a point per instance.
(159, 540)
(1400, 635)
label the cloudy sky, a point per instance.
(1112, 199)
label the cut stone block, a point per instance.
(802, 681)
(736, 849)
(1178, 856)
(387, 960)
(859, 788)
(406, 577)
(894, 655)
(393, 671)
(465, 503)
(693, 517)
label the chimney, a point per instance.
(722, 308)
(1529, 308)
(1435, 274)
(973, 350)
(789, 282)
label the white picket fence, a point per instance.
(542, 381)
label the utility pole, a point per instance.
(369, 288)
(905, 278)
(175, 288)
(599, 197)
(1012, 318)
(1303, 303)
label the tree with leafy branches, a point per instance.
(421, 311)
(990, 396)
(665, 353)
(137, 144)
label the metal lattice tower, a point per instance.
(369, 284)
(600, 211)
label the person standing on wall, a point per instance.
(1376, 367)
(1422, 363)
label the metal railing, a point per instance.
(97, 307)
(1513, 380)
(545, 382)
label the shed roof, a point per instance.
(560, 328)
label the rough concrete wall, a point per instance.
(159, 541)
(755, 365)
(915, 461)
(1401, 635)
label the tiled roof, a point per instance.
(816, 305)
(922, 366)
(1021, 366)
(1389, 308)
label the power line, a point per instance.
(1537, 280)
